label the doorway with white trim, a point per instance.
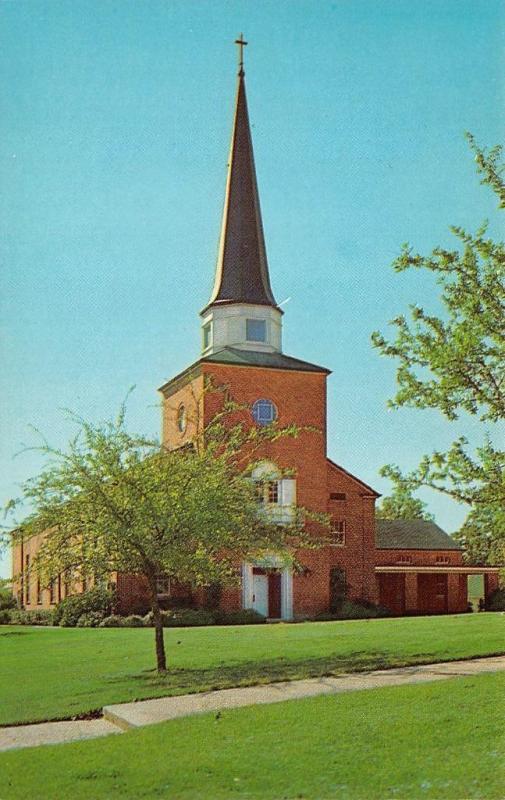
(267, 587)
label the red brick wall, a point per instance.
(419, 558)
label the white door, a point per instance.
(260, 594)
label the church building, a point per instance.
(411, 567)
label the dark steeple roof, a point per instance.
(242, 267)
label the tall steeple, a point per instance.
(242, 291)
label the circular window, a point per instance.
(264, 412)
(181, 418)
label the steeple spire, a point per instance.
(242, 267)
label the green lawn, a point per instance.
(51, 673)
(438, 740)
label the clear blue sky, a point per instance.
(116, 124)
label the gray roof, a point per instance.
(252, 358)
(412, 534)
(246, 358)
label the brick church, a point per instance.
(411, 567)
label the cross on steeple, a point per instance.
(241, 44)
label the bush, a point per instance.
(355, 609)
(40, 617)
(7, 599)
(113, 621)
(187, 617)
(5, 617)
(247, 616)
(133, 621)
(68, 611)
(91, 619)
(496, 600)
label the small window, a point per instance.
(162, 584)
(256, 330)
(181, 418)
(404, 560)
(52, 591)
(338, 496)
(39, 592)
(267, 492)
(207, 335)
(442, 559)
(264, 412)
(337, 533)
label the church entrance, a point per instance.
(267, 588)
(267, 592)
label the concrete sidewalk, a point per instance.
(120, 717)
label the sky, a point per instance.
(116, 124)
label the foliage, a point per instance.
(246, 616)
(496, 600)
(187, 617)
(455, 363)
(7, 599)
(355, 609)
(402, 505)
(133, 621)
(5, 617)
(90, 619)
(40, 617)
(113, 621)
(96, 600)
(120, 502)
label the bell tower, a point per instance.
(242, 312)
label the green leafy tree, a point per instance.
(402, 504)
(113, 501)
(455, 362)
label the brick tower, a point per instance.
(242, 350)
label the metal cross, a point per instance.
(241, 44)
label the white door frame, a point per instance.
(286, 584)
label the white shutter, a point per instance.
(288, 491)
(287, 499)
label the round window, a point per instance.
(181, 418)
(264, 412)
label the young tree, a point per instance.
(117, 502)
(402, 505)
(456, 362)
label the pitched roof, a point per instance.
(412, 534)
(364, 485)
(245, 358)
(253, 358)
(242, 267)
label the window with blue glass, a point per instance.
(256, 330)
(264, 412)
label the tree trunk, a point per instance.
(161, 660)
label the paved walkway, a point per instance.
(149, 712)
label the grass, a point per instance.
(438, 740)
(57, 673)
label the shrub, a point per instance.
(496, 600)
(187, 617)
(68, 611)
(133, 621)
(7, 599)
(247, 616)
(355, 609)
(113, 621)
(90, 619)
(5, 617)
(40, 617)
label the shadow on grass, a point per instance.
(189, 681)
